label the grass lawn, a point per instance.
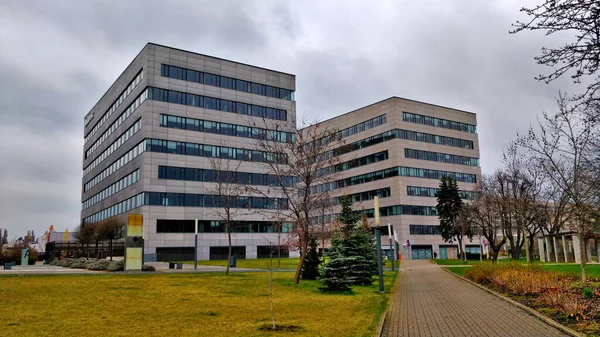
(458, 270)
(454, 262)
(182, 305)
(591, 270)
(286, 263)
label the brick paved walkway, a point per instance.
(431, 302)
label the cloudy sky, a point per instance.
(58, 57)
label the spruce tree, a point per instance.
(359, 247)
(310, 269)
(348, 216)
(334, 273)
(449, 208)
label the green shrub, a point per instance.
(588, 293)
(54, 262)
(99, 265)
(148, 267)
(116, 266)
(481, 273)
(82, 263)
(68, 262)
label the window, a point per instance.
(440, 157)
(438, 122)
(424, 230)
(225, 82)
(124, 94)
(177, 97)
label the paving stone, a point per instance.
(431, 302)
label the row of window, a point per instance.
(403, 210)
(215, 226)
(401, 134)
(184, 200)
(114, 146)
(130, 109)
(126, 181)
(208, 200)
(441, 157)
(363, 196)
(134, 83)
(178, 97)
(393, 172)
(204, 175)
(119, 208)
(424, 230)
(213, 151)
(117, 164)
(441, 123)
(354, 129)
(225, 82)
(357, 162)
(200, 125)
(431, 192)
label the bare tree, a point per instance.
(113, 229)
(98, 234)
(228, 189)
(581, 56)
(563, 147)
(309, 160)
(485, 216)
(84, 234)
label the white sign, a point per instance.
(395, 236)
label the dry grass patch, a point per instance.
(182, 305)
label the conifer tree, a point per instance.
(334, 273)
(310, 269)
(452, 214)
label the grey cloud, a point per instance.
(58, 58)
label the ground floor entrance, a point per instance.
(422, 252)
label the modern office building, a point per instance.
(398, 149)
(151, 143)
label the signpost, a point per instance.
(134, 242)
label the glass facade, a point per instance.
(208, 200)
(432, 192)
(354, 129)
(393, 172)
(362, 196)
(113, 147)
(117, 164)
(204, 175)
(400, 134)
(178, 97)
(128, 180)
(424, 230)
(200, 125)
(215, 226)
(403, 210)
(138, 101)
(213, 151)
(184, 200)
(225, 82)
(438, 122)
(440, 157)
(116, 209)
(134, 83)
(357, 162)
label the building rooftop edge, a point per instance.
(187, 51)
(218, 58)
(390, 98)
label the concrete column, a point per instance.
(556, 258)
(598, 249)
(548, 250)
(588, 250)
(577, 249)
(542, 250)
(565, 248)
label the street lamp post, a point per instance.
(378, 237)
(196, 244)
(391, 245)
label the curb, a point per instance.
(390, 304)
(529, 310)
